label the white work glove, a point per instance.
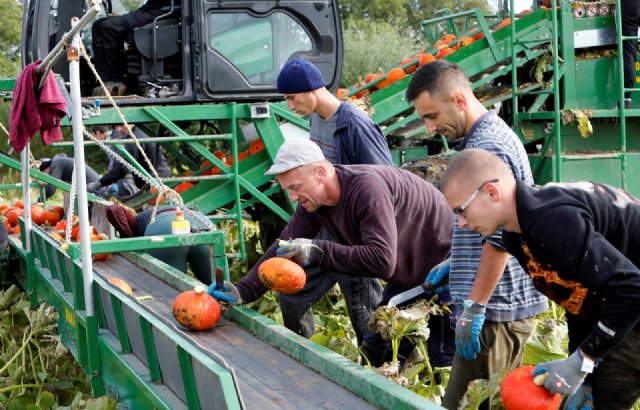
(302, 251)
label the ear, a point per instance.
(320, 172)
(460, 100)
(494, 192)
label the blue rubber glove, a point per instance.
(113, 189)
(302, 251)
(468, 330)
(582, 399)
(564, 376)
(227, 293)
(439, 276)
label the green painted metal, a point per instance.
(123, 336)
(150, 350)
(188, 379)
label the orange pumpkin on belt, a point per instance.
(196, 309)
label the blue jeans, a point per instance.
(440, 345)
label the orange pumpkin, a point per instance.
(13, 214)
(395, 74)
(16, 230)
(362, 93)
(4, 208)
(518, 391)
(440, 44)
(444, 52)
(411, 68)
(282, 275)
(341, 93)
(448, 38)
(425, 59)
(256, 146)
(50, 218)
(504, 23)
(465, 41)
(58, 209)
(19, 204)
(196, 309)
(183, 186)
(36, 214)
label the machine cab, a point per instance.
(199, 50)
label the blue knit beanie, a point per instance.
(299, 76)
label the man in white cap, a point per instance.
(386, 223)
(346, 135)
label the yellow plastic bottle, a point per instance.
(180, 226)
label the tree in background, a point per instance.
(381, 33)
(10, 38)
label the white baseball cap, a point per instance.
(294, 153)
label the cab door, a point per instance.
(243, 45)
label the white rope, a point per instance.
(164, 192)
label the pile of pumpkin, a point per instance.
(59, 232)
(207, 168)
(40, 215)
(445, 46)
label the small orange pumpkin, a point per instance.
(412, 68)
(395, 74)
(16, 230)
(444, 52)
(465, 41)
(256, 146)
(4, 208)
(518, 391)
(362, 93)
(282, 275)
(341, 93)
(440, 44)
(196, 309)
(36, 214)
(58, 209)
(50, 218)
(425, 59)
(448, 38)
(13, 214)
(183, 186)
(19, 204)
(504, 23)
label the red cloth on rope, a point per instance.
(31, 112)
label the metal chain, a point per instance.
(72, 200)
(591, 3)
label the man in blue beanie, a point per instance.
(346, 135)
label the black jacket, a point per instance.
(580, 243)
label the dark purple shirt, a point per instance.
(388, 224)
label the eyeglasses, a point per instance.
(460, 210)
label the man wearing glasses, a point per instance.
(495, 300)
(579, 243)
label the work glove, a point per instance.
(438, 278)
(468, 330)
(226, 293)
(564, 376)
(112, 190)
(94, 186)
(582, 399)
(301, 251)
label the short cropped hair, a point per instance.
(436, 77)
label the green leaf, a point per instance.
(47, 400)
